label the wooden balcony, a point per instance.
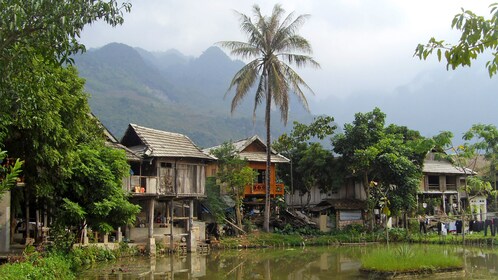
(142, 185)
(259, 189)
(149, 185)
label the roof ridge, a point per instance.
(158, 130)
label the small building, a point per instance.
(253, 149)
(442, 181)
(344, 206)
(166, 182)
(339, 213)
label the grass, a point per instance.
(406, 259)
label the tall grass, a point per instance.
(406, 259)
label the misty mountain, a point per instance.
(172, 92)
(432, 102)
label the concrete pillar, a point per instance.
(85, 235)
(5, 222)
(151, 217)
(151, 243)
(106, 238)
(191, 242)
(119, 235)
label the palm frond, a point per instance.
(243, 81)
(294, 43)
(241, 49)
(299, 60)
(259, 96)
(280, 89)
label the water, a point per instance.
(289, 264)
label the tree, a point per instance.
(484, 141)
(389, 158)
(273, 45)
(312, 165)
(234, 175)
(93, 194)
(44, 114)
(478, 35)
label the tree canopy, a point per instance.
(387, 160)
(312, 165)
(478, 35)
(44, 114)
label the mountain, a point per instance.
(172, 92)
(434, 101)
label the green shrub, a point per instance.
(52, 267)
(85, 256)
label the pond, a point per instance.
(282, 263)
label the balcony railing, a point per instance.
(259, 189)
(434, 187)
(451, 187)
(141, 185)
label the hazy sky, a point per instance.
(363, 46)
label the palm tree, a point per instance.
(272, 46)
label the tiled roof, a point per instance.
(240, 145)
(158, 143)
(444, 167)
(130, 155)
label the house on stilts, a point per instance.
(166, 181)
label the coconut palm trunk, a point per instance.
(266, 223)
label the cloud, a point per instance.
(362, 45)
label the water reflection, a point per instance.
(288, 264)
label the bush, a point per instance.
(85, 256)
(52, 267)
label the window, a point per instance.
(261, 175)
(451, 183)
(166, 165)
(433, 182)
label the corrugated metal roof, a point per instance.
(158, 143)
(242, 144)
(444, 167)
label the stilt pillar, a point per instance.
(151, 243)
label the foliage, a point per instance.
(44, 111)
(51, 29)
(234, 175)
(54, 267)
(389, 158)
(312, 165)
(96, 194)
(9, 172)
(216, 205)
(478, 35)
(85, 256)
(288, 229)
(273, 44)
(63, 239)
(481, 142)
